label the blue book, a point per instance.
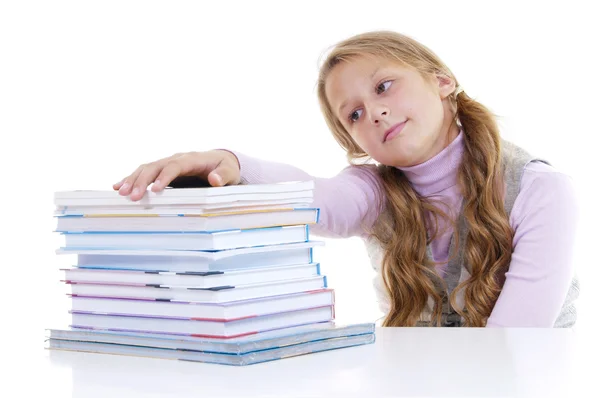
(185, 220)
(206, 241)
(247, 350)
(194, 260)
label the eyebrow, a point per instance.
(346, 101)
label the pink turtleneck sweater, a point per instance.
(544, 218)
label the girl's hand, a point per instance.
(218, 167)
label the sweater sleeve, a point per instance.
(545, 219)
(347, 201)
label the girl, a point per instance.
(463, 227)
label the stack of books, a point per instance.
(224, 275)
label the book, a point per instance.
(195, 196)
(238, 345)
(186, 222)
(218, 294)
(190, 260)
(313, 344)
(205, 279)
(225, 311)
(191, 264)
(201, 328)
(216, 240)
(194, 209)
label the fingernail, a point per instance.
(219, 179)
(124, 187)
(135, 191)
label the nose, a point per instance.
(378, 113)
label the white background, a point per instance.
(90, 90)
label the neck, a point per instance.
(439, 172)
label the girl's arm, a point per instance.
(545, 217)
(347, 200)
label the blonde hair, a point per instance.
(409, 274)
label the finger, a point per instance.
(223, 174)
(191, 163)
(215, 179)
(118, 185)
(127, 183)
(171, 171)
(145, 178)
(125, 186)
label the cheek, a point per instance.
(433, 108)
(404, 101)
(418, 104)
(362, 139)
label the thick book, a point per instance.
(206, 279)
(193, 260)
(216, 240)
(238, 345)
(186, 222)
(218, 294)
(201, 328)
(190, 196)
(227, 311)
(310, 345)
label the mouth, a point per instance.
(393, 131)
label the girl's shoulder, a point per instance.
(531, 175)
(544, 192)
(543, 177)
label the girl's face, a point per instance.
(398, 117)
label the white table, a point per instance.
(403, 362)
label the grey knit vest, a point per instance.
(515, 160)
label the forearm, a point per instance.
(347, 201)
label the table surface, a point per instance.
(402, 362)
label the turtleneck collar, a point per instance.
(438, 173)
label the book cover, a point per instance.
(237, 345)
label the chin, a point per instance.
(400, 160)
(397, 163)
(403, 164)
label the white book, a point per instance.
(204, 279)
(186, 222)
(203, 328)
(207, 311)
(171, 196)
(189, 260)
(218, 240)
(193, 278)
(218, 208)
(218, 294)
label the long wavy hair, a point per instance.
(408, 273)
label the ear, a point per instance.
(446, 86)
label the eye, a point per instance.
(383, 86)
(354, 116)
